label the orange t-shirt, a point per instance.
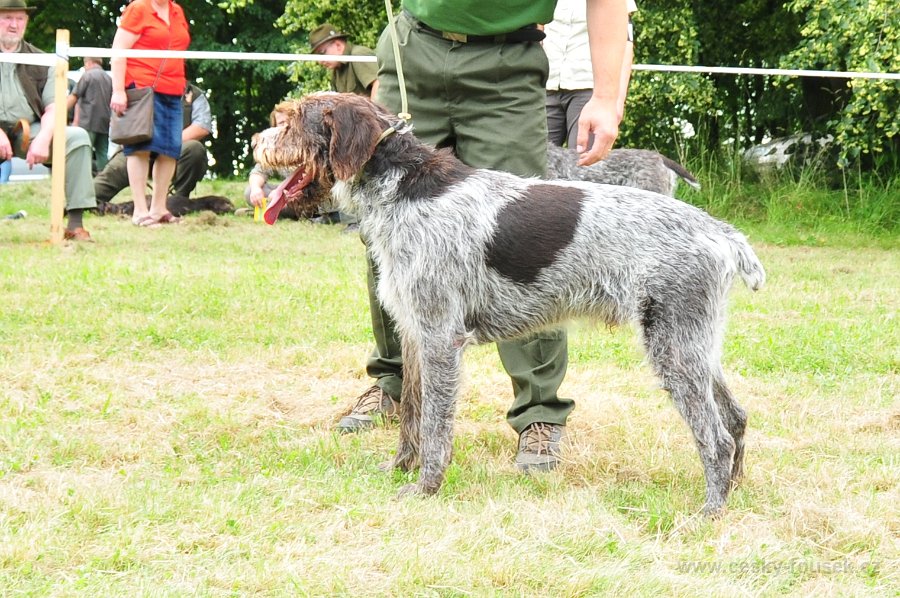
(153, 33)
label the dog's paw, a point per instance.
(713, 511)
(409, 490)
(403, 462)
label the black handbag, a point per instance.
(135, 125)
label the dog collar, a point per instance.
(385, 134)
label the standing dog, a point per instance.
(473, 256)
(642, 169)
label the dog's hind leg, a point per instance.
(407, 456)
(678, 347)
(441, 375)
(735, 419)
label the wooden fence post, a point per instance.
(58, 172)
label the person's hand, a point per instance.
(39, 150)
(6, 150)
(256, 196)
(600, 119)
(118, 102)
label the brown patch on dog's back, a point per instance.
(533, 230)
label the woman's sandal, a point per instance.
(144, 221)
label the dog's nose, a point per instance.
(253, 140)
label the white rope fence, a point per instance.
(727, 70)
(60, 59)
(82, 51)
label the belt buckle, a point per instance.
(455, 37)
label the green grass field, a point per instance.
(168, 398)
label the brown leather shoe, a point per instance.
(371, 407)
(79, 234)
(539, 447)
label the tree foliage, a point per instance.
(854, 35)
(663, 109)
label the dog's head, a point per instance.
(328, 137)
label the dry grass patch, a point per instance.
(168, 399)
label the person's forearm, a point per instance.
(117, 72)
(257, 181)
(625, 79)
(607, 23)
(193, 133)
(47, 123)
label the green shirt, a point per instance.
(355, 77)
(480, 17)
(13, 104)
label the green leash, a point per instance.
(404, 107)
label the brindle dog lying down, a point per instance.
(470, 256)
(178, 205)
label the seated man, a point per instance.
(27, 114)
(192, 164)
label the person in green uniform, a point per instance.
(27, 99)
(346, 77)
(475, 74)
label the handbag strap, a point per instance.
(163, 62)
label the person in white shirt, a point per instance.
(571, 80)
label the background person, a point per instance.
(571, 80)
(192, 163)
(90, 97)
(152, 25)
(360, 78)
(492, 117)
(27, 92)
(260, 182)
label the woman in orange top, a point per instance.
(152, 25)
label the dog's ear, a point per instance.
(355, 130)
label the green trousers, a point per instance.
(190, 169)
(79, 191)
(486, 102)
(100, 145)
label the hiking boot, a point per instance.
(371, 406)
(539, 447)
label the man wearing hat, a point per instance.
(346, 77)
(26, 114)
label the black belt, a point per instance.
(529, 33)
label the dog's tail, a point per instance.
(681, 172)
(748, 265)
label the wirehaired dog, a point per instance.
(473, 256)
(642, 169)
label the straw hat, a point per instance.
(11, 5)
(320, 35)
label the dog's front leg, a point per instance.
(441, 363)
(407, 456)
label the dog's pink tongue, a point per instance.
(288, 189)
